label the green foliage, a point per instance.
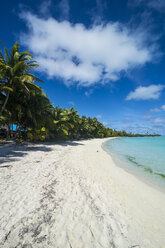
(26, 113)
(19, 141)
(15, 72)
(37, 134)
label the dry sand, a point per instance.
(72, 195)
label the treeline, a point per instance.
(26, 113)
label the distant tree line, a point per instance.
(26, 113)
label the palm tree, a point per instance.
(15, 68)
(74, 120)
(61, 124)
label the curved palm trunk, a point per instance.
(5, 102)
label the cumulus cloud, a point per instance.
(163, 107)
(146, 93)
(159, 120)
(99, 116)
(155, 110)
(84, 55)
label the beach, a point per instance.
(72, 195)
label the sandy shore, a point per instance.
(72, 195)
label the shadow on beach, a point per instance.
(67, 143)
(11, 152)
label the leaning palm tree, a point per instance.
(15, 72)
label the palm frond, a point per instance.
(2, 58)
(35, 78)
(33, 85)
(20, 67)
(4, 88)
(6, 52)
(15, 48)
(23, 54)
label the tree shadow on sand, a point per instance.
(66, 143)
(12, 152)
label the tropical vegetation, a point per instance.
(26, 113)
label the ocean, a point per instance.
(142, 155)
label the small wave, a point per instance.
(155, 172)
(160, 174)
(133, 160)
(147, 169)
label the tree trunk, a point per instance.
(17, 132)
(4, 105)
(8, 131)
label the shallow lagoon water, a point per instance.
(140, 154)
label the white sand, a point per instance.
(72, 195)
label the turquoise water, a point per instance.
(145, 153)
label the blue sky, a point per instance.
(106, 58)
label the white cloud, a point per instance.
(147, 117)
(146, 93)
(105, 123)
(155, 110)
(71, 103)
(163, 107)
(158, 120)
(84, 55)
(99, 116)
(88, 92)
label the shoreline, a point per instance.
(148, 178)
(72, 194)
